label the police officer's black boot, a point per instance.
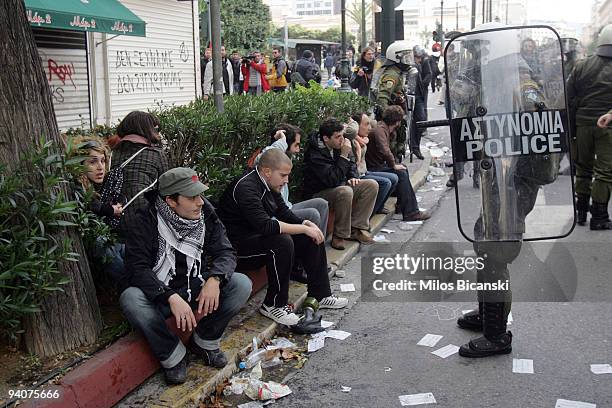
(417, 153)
(472, 320)
(495, 340)
(599, 216)
(582, 208)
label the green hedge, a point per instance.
(219, 145)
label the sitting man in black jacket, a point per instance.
(331, 175)
(265, 231)
(180, 259)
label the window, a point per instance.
(300, 6)
(327, 12)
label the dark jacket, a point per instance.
(308, 70)
(137, 175)
(362, 83)
(218, 256)
(379, 155)
(322, 170)
(589, 89)
(424, 77)
(248, 205)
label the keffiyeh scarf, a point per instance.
(178, 234)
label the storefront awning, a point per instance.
(105, 16)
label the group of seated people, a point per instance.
(179, 255)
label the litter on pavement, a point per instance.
(417, 399)
(446, 351)
(347, 287)
(563, 403)
(316, 343)
(522, 366)
(601, 368)
(387, 230)
(380, 238)
(346, 389)
(325, 324)
(430, 340)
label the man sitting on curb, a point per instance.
(330, 174)
(379, 158)
(168, 255)
(265, 232)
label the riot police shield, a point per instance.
(508, 118)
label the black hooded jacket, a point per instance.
(218, 257)
(322, 170)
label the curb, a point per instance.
(104, 380)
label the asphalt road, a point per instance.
(381, 359)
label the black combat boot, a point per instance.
(472, 320)
(582, 208)
(416, 151)
(599, 216)
(495, 340)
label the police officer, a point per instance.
(589, 90)
(389, 87)
(420, 102)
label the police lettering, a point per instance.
(512, 134)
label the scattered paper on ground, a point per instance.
(337, 334)
(325, 324)
(422, 209)
(522, 366)
(340, 273)
(316, 343)
(404, 226)
(562, 403)
(467, 311)
(252, 404)
(414, 222)
(446, 351)
(438, 188)
(387, 369)
(347, 287)
(380, 238)
(601, 368)
(417, 399)
(429, 340)
(387, 230)
(346, 389)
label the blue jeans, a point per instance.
(149, 318)
(406, 199)
(386, 185)
(316, 210)
(112, 259)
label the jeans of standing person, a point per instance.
(386, 185)
(406, 199)
(237, 88)
(329, 71)
(111, 257)
(419, 115)
(149, 317)
(315, 210)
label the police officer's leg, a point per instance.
(602, 185)
(584, 155)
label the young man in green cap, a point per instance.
(180, 260)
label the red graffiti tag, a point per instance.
(61, 71)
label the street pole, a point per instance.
(442, 24)
(388, 24)
(344, 62)
(215, 17)
(473, 20)
(457, 16)
(484, 2)
(506, 12)
(363, 25)
(286, 37)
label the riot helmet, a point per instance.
(400, 52)
(604, 42)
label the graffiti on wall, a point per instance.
(150, 70)
(60, 75)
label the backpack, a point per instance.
(111, 189)
(289, 66)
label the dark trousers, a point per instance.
(277, 253)
(406, 199)
(419, 114)
(149, 317)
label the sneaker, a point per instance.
(178, 373)
(333, 302)
(214, 358)
(281, 315)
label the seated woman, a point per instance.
(96, 166)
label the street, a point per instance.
(381, 359)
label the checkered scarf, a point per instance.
(178, 234)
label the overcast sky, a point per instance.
(567, 10)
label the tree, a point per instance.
(356, 12)
(69, 318)
(297, 31)
(245, 24)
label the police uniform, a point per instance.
(391, 92)
(589, 89)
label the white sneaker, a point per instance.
(333, 302)
(282, 315)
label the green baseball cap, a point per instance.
(181, 180)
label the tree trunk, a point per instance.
(71, 318)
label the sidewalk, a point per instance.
(125, 367)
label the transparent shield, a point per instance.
(510, 136)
